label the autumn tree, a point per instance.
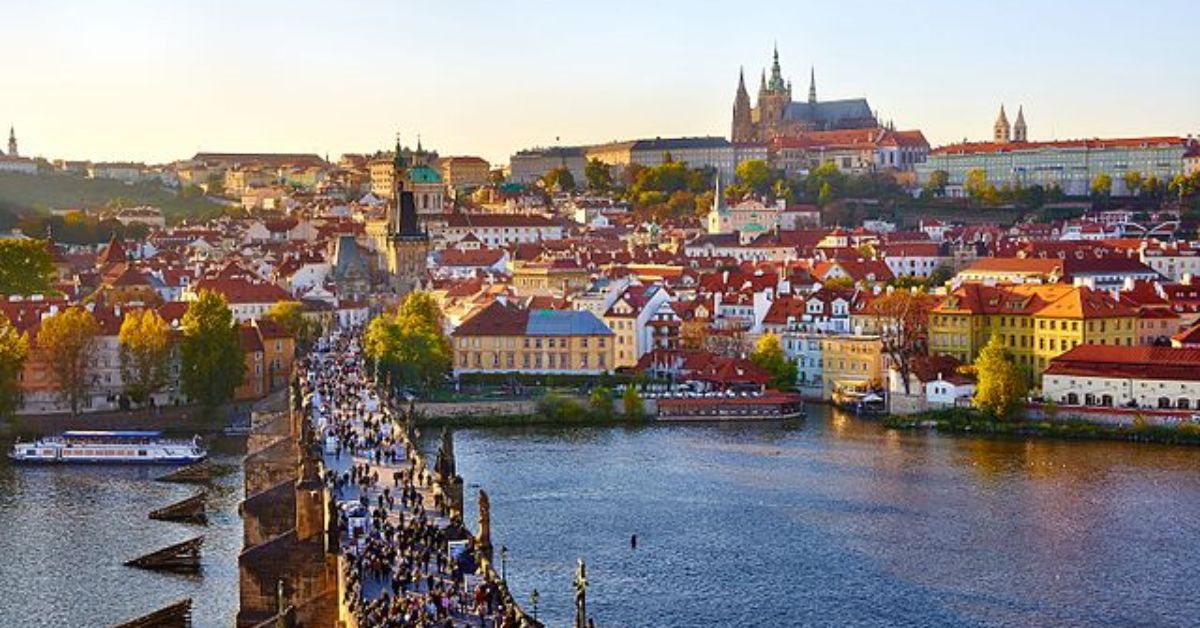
(290, 316)
(756, 176)
(411, 343)
(938, 180)
(600, 402)
(1133, 182)
(976, 184)
(1001, 383)
(692, 334)
(212, 363)
(1102, 186)
(145, 351)
(25, 267)
(559, 178)
(902, 320)
(14, 349)
(68, 340)
(768, 355)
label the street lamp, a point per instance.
(533, 597)
(504, 563)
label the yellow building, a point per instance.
(503, 338)
(1035, 322)
(560, 277)
(851, 361)
(460, 173)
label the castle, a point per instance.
(777, 115)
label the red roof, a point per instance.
(1168, 363)
(1091, 144)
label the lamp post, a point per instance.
(504, 563)
(533, 597)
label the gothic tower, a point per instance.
(812, 85)
(1001, 132)
(408, 244)
(743, 128)
(773, 100)
(1020, 131)
(12, 142)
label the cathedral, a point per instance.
(777, 115)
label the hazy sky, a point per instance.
(156, 81)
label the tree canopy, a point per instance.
(14, 350)
(411, 343)
(768, 354)
(598, 175)
(145, 353)
(68, 340)
(25, 267)
(290, 316)
(211, 359)
(1002, 383)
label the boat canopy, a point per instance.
(112, 434)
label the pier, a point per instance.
(347, 524)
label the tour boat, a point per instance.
(110, 446)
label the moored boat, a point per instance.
(110, 447)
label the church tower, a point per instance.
(743, 129)
(408, 244)
(1001, 132)
(1020, 131)
(812, 85)
(12, 142)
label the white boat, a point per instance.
(110, 446)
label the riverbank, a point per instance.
(527, 420)
(963, 421)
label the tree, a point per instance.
(938, 180)
(145, 344)
(598, 175)
(600, 402)
(212, 363)
(560, 178)
(940, 275)
(1133, 182)
(68, 340)
(25, 267)
(825, 195)
(692, 334)
(632, 403)
(290, 316)
(1102, 186)
(768, 355)
(14, 349)
(756, 175)
(902, 319)
(411, 343)
(976, 184)
(1002, 385)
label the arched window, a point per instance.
(1106, 400)
(1183, 403)
(1089, 399)
(1072, 399)
(1163, 402)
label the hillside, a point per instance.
(23, 193)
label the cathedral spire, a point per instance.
(1001, 131)
(1020, 131)
(777, 84)
(12, 142)
(398, 158)
(812, 85)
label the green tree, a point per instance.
(68, 340)
(411, 343)
(1002, 385)
(25, 267)
(600, 402)
(756, 175)
(559, 178)
(14, 350)
(1133, 182)
(212, 364)
(825, 195)
(940, 275)
(598, 175)
(938, 180)
(145, 351)
(768, 355)
(1102, 186)
(632, 402)
(290, 316)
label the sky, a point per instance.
(157, 81)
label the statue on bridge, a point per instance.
(484, 540)
(581, 620)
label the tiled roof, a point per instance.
(1167, 363)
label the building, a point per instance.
(12, 142)
(1191, 158)
(269, 353)
(529, 166)
(1125, 377)
(851, 361)
(1036, 323)
(777, 115)
(561, 277)
(125, 172)
(1070, 165)
(496, 230)
(408, 245)
(853, 151)
(502, 338)
(464, 173)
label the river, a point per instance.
(835, 521)
(829, 521)
(65, 532)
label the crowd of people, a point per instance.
(396, 533)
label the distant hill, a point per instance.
(21, 194)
